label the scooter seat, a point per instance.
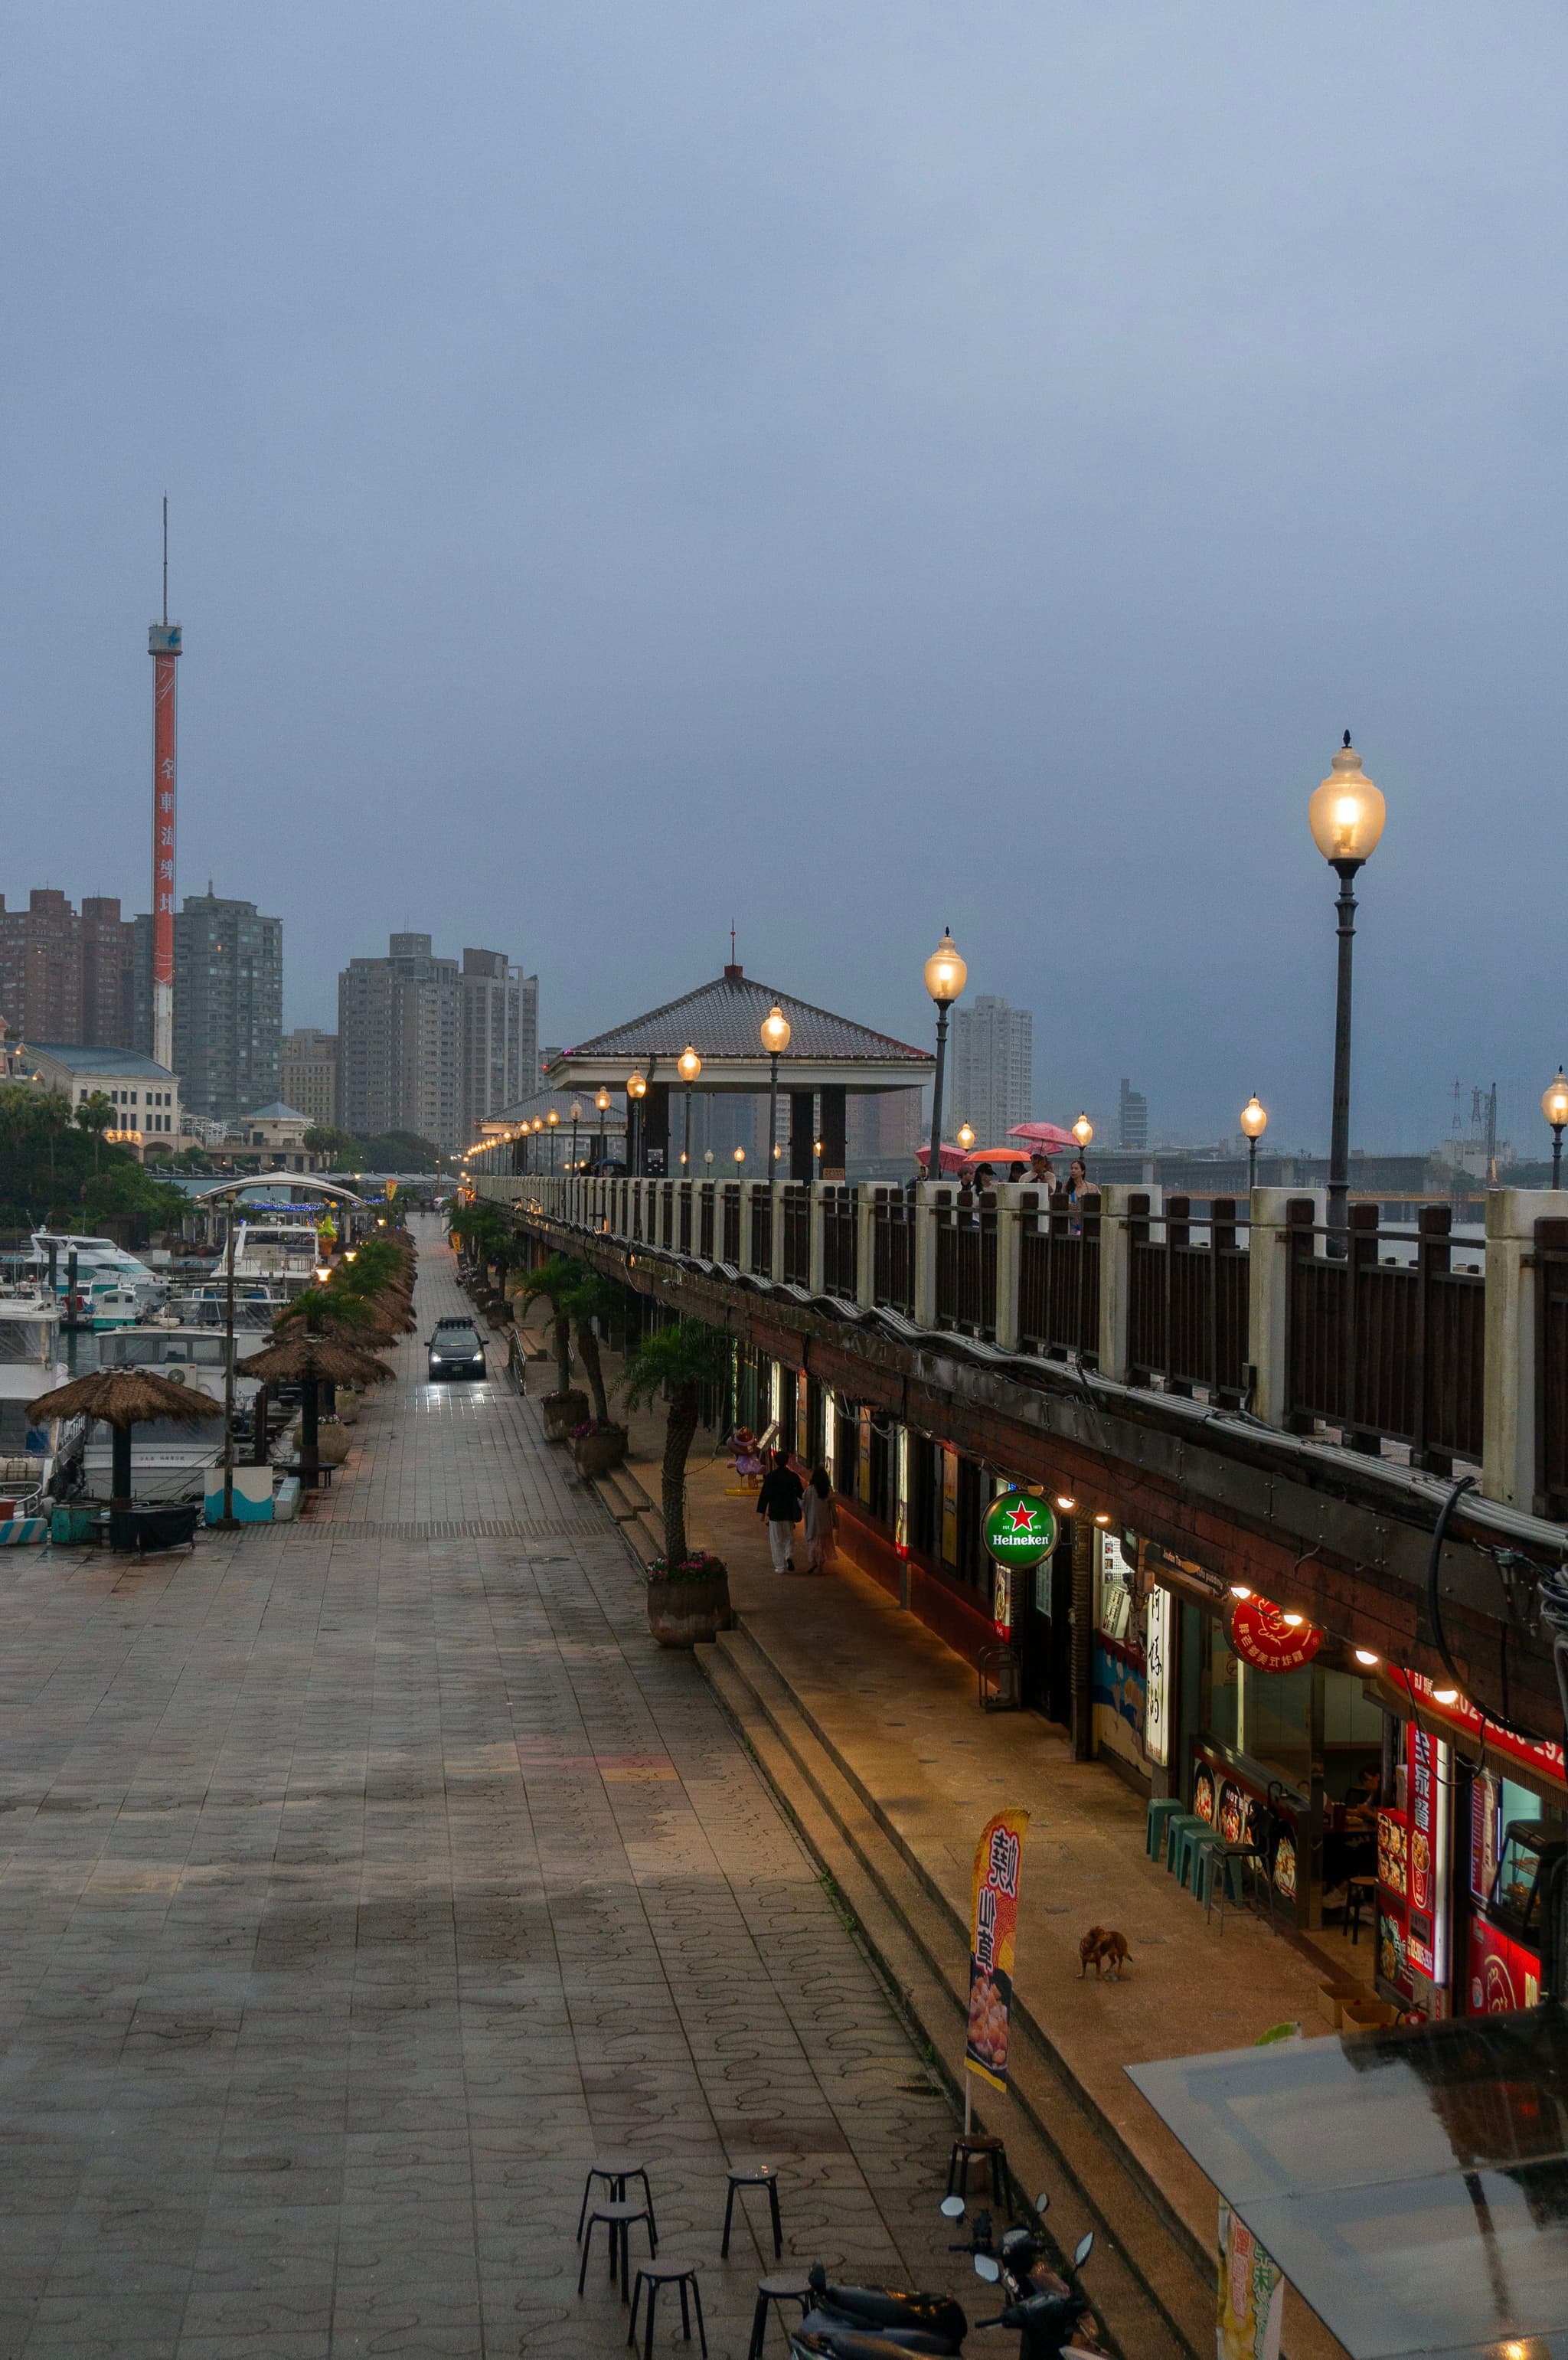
(876, 2308)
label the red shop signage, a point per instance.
(1536, 1754)
(1503, 1974)
(1260, 1635)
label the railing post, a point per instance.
(1269, 1296)
(1009, 1265)
(742, 1256)
(866, 1245)
(776, 1261)
(816, 1272)
(1510, 1445)
(1115, 1276)
(925, 1253)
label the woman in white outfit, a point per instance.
(821, 1520)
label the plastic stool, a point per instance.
(759, 2175)
(1160, 1808)
(1191, 1836)
(1174, 1826)
(977, 2147)
(791, 2287)
(653, 2275)
(615, 2170)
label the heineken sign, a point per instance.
(1019, 1529)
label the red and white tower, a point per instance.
(163, 646)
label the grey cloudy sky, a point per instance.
(845, 467)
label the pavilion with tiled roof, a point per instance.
(829, 1058)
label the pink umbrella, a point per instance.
(1045, 1134)
(951, 1157)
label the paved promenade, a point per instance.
(361, 1879)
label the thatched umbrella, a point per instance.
(310, 1361)
(122, 1398)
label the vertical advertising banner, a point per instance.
(1251, 2295)
(993, 1936)
(1157, 1677)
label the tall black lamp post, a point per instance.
(946, 974)
(776, 1030)
(1346, 816)
(1554, 1107)
(636, 1090)
(602, 1102)
(1254, 1122)
(576, 1118)
(688, 1066)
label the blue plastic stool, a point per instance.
(1192, 1836)
(1160, 1808)
(1179, 1828)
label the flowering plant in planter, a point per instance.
(697, 1565)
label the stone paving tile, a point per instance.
(358, 1881)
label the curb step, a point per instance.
(1158, 2300)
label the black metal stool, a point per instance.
(653, 2275)
(617, 2220)
(615, 2170)
(977, 2147)
(1360, 1894)
(791, 2286)
(761, 2175)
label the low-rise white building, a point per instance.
(144, 1094)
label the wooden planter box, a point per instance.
(686, 1613)
(598, 1454)
(561, 1412)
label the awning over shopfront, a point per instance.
(1411, 2185)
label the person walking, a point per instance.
(821, 1520)
(779, 1502)
(1042, 1172)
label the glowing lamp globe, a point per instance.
(776, 1030)
(1347, 812)
(1254, 1118)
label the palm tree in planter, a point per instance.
(688, 1590)
(555, 1281)
(601, 1444)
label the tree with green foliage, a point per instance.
(590, 1297)
(95, 1115)
(554, 1282)
(677, 1362)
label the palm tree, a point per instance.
(592, 1298)
(679, 1360)
(50, 1113)
(95, 1114)
(556, 1279)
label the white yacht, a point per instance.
(281, 1254)
(99, 1261)
(169, 1461)
(30, 1364)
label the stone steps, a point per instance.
(1156, 2288)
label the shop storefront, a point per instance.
(1132, 1665)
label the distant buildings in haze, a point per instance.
(1132, 1129)
(228, 1004)
(991, 1070)
(310, 1075)
(428, 1045)
(66, 977)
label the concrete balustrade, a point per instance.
(1512, 1378)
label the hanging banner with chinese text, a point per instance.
(1251, 2295)
(993, 1933)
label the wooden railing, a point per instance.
(761, 1234)
(797, 1198)
(1383, 1348)
(1187, 1300)
(966, 1262)
(893, 1251)
(729, 1244)
(1059, 1276)
(840, 1261)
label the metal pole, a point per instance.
(1557, 1155)
(1339, 1141)
(686, 1141)
(229, 1370)
(773, 1115)
(934, 1169)
(1251, 1164)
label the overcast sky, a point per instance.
(843, 468)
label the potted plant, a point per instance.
(554, 1280)
(688, 1600)
(688, 1590)
(331, 1443)
(597, 1446)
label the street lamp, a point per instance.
(945, 977)
(1254, 1122)
(739, 1157)
(688, 1066)
(552, 1119)
(1554, 1107)
(636, 1090)
(576, 1118)
(602, 1100)
(776, 1030)
(1346, 815)
(1083, 1131)
(965, 1136)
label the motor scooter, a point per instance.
(931, 2325)
(1020, 2252)
(1016, 2263)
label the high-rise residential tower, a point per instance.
(228, 1004)
(67, 978)
(398, 1030)
(498, 1037)
(992, 1084)
(311, 1073)
(1132, 1130)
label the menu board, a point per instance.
(1426, 1930)
(1393, 1855)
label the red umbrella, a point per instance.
(1045, 1134)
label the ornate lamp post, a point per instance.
(602, 1102)
(1346, 815)
(576, 1118)
(739, 1158)
(965, 1136)
(1554, 1107)
(1083, 1131)
(552, 1119)
(636, 1090)
(1254, 1122)
(688, 1066)
(946, 975)
(776, 1030)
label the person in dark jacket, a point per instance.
(779, 1501)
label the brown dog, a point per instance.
(1102, 1947)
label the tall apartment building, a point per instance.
(399, 1031)
(67, 978)
(498, 1038)
(1132, 1129)
(991, 1070)
(884, 1130)
(311, 1073)
(228, 1004)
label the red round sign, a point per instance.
(1262, 1637)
